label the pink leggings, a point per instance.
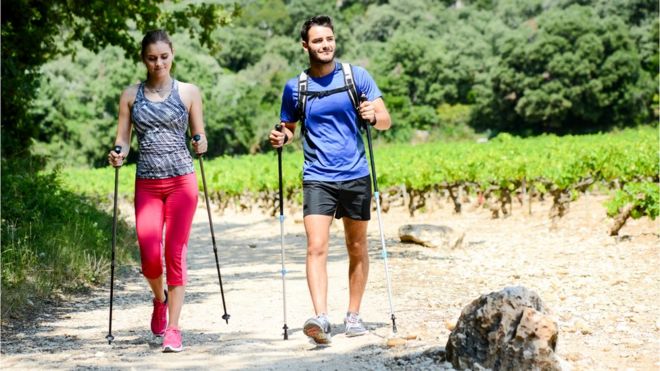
(167, 202)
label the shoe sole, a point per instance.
(171, 349)
(316, 333)
(354, 334)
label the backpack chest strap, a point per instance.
(304, 93)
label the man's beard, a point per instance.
(313, 58)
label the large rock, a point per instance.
(506, 330)
(431, 235)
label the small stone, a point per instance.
(633, 341)
(581, 326)
(450, 325)
(394, 342)
(411, 337)
(621, 327)
(639, 308)
(565, 316)
(573, 357)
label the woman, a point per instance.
(162, 109)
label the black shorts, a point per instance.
(351, 198)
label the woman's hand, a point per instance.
(115, 159)
(199, 143)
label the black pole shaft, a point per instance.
(279, 170)
(109, 337)
(374, 179)
(215, 248)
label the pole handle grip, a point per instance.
(196, 138)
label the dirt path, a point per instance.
(602, 290)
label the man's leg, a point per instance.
(358, 254)
(318, 234)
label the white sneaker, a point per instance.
(354, 325)
(318, 329)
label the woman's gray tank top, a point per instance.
(161, 128)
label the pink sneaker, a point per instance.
(159, 317)
(172, 341)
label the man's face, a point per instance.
(320, 44)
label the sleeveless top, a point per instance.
(161, 129)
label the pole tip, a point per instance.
(226, 317)
(110, 338)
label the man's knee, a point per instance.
(357, 248)
(317, 248)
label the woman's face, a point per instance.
(158, 59)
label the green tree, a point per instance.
(241, 47)
(37, 31)
(76, 106)
(576, 73)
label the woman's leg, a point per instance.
(149, 218)
(180, 209)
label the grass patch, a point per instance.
(54, 240)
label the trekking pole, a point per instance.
(215, 249)
(280, 128)
(114, 243)
(380, 222)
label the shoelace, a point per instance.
(326, 323)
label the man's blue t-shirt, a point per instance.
(333, 146)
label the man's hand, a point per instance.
(278, 137)
(367, 111)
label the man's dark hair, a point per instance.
(319, 20)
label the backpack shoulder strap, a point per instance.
(349, 81)
(302, 99)
(302, 93)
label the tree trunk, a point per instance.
(620, 219)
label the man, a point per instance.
(336, 181)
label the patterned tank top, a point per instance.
(161, 129)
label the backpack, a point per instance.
(303, 93)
